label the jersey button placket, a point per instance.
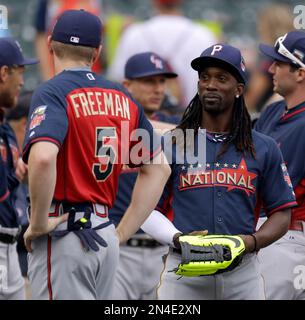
(218, 194)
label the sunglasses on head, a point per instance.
(281, 49)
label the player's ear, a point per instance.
(49, 45)
(198, 86)
(239, 89)
(4, 71)
(96, 53)
(126, 83)
(300, 75)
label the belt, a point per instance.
(7, 238)
(59, 208)
(296, 225)
(144, 243)
(80, 223)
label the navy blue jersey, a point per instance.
(9, 155)
(226, 197)
(159, 116)
(93, 122)
(127, 181)
(287, 128)
(3, 181)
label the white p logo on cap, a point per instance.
(216, 48)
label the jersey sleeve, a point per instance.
(47, 121)
(3, 182)
(145, 142)
(276, 188)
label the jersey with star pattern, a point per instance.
(225, 194)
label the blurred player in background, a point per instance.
(140, 263)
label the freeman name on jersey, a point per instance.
(95, 102)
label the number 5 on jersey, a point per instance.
(105, 153)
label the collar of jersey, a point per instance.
(300, 108)
(79, 69)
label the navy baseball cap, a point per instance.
(222, 56)
(147, 64)
(11, 53)
(293, 42)
(79, 28)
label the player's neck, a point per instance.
(295, 99)
(61, 65)
(149, 114)
(220, 123)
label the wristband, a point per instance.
(176, 240)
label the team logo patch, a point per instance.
(3, 151)
(286, 176)
(38, 115)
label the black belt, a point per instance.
(79, 207)
(7, 238)
(144, 243)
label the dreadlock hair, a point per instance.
(241, 129)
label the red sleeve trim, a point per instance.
(161, 210)
(145, 161)
(152, 155)
(155, 153)
(284, 206)
(4, 196)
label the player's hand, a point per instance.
(118, 235)
(199, 233)
(21, 169)
(31, 235)
(249, 242)
(193, 233)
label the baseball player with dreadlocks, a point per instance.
(244, 170)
